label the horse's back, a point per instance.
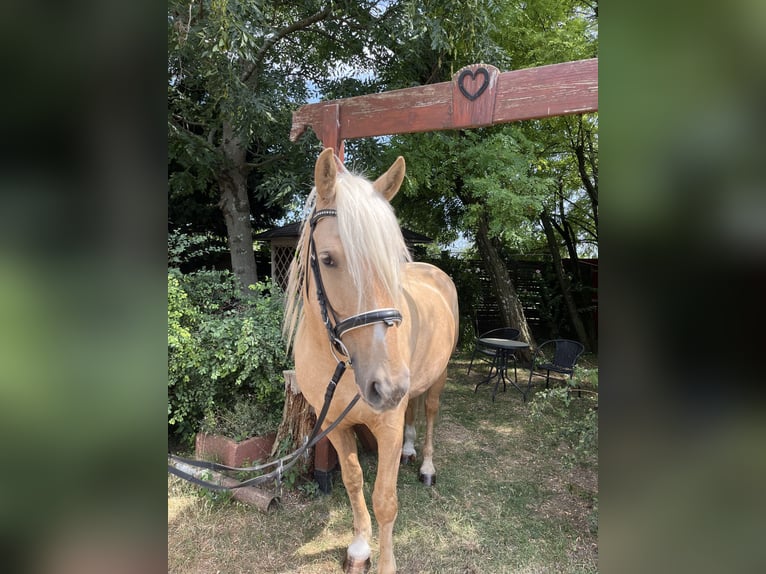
(432, 309)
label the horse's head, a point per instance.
(359, 250)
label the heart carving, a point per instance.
(473, 76)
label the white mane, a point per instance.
(371, 238)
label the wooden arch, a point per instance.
(478, 95)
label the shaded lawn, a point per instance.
(503, 503)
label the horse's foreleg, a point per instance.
(427, 469)
(409, 454)
(384, 499)
(358, 555)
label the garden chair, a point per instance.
(557, 355)
(487, 354)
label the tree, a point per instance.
(563, 280)
(570, 215)
(484, 184)
(236, 70)
(494, 183)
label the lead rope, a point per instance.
(283, 464)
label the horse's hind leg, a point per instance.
(358, 554)
(427, 469)
(409, 454)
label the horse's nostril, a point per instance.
(383, 395)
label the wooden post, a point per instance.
(325, 463)
(330, 129)
(298, 419)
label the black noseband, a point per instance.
(336, 331)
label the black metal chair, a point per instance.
(487, 354)
(557, 355)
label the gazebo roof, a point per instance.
(289, 230)
(294, 230)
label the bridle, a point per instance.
(335, 331)
(336, 328)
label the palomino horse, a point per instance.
(355, 294)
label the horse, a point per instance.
(355, 297)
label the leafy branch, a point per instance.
(273, 38)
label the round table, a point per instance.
(504, 349)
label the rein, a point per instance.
(283, 464)
(334, 332)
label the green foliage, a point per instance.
(215, 498)
(505, 178)
(539, 32)
(248, 417)
(222, 347)
(454, 179)
(455, 40)
(183, 247)
(297, 478)
(563, 417)
(310, 489)
(242, 67)
(507, 172)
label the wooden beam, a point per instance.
(478, 95)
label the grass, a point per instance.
(505, 502)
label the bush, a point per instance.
(562, 416)
(223, 348)
(247, 418)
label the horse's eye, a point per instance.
(327, 260)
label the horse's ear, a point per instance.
(324, 175)
(389, 183)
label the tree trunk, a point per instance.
(235, 206)
(566, 291)
(511, 311)
(586, 158)
(298, 420)
(565, 230)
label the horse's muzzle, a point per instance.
(385, 393)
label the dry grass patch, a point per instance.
(503, 503)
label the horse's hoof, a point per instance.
(353, 565)
(408, 458)
(427, 479)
